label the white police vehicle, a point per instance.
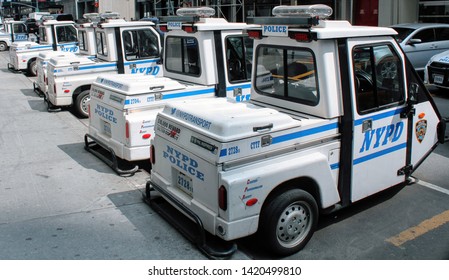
(305, 145)
(87, 47)
(437, 71)
(54, 35)
(122, 47)
(14, 31)
(203, 57)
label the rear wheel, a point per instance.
(32, 68)
(3, 46)
(82, 104)
(288, 221)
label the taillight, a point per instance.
(223, 198)
(127, 130)
(254, 34)
(189, 29)
(54, 88)
(300, 36)
(152, 155)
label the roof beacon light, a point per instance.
(198, 11)
(321, 11)
(92, 16)
(110, 15)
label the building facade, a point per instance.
(360, 12)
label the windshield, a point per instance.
(402, 33)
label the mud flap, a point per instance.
(212, 246)
(37, 90)
(442, 130)
(107, 155)
(12, 69)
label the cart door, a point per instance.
(141, 51)
(424, 119)
(380, 132)
(238, 56)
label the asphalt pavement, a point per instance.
(59, 202)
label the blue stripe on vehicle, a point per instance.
(303, 133)
(379, 116)
(248, 85)
(380, 153)
(335, 166)
(188, 93)
(141, 61)
(97, 66)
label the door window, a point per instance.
(102, 46)
(140, 44)
(377, 75)
(239, 52)
(183, 56)
(66, 34)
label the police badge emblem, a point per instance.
(420, 130)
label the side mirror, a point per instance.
(414, 41)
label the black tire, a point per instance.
(82, 103)
(288, 221)
(3, 46)
(32, 68)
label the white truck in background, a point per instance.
(87, 47)
(332, 129)
(122, 47)
(14, 31)
(203, 57)
(54, 35)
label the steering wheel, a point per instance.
(364, 81)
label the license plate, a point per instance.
(438, 79)
(185, 183)
(107, 128)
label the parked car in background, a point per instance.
(437, 70)
(421, 41)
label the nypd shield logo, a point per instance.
(420, 130)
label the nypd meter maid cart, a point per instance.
(122, 47)
(204, 57)
(54, 35)
(15, 31)
(305, 144)
(87, 47)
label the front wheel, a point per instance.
(82, 104)
(288, 221)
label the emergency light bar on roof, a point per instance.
(190, 14)
(301, 16)
(109, 15)
(92, 17)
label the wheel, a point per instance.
(32, 68)
(387, 69)
(3, 46)
(288, 221)
(82, 104)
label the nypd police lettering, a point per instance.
(105, 113)
(382, 136)
(275, 30)
(174, 25)
(183, 161)
(69, 49)
(146, 70)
